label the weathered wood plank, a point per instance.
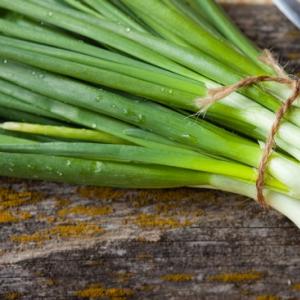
(66, 242)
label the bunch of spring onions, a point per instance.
(107, 93)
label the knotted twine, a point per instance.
(214, 95)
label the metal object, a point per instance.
(291, 8)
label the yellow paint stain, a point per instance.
(12, 296)
(296, 286)
(60, 231)
(236, 277)
(267, 297)
(155, 221)
(97, 291)
(7, 217)
(177, 277)
(87, 211)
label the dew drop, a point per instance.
(125, 111)
(33, 73)
(127, 29)
(162, 89)
(98, 98)
(68, 163)
(141, 117)
(50, 13)
(98, 167)
(59, 173)
(186, 136)
(170, 92)
(5, 61)
(94, 125)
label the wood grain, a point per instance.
(66, 242)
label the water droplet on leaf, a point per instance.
(186, 136)
(98, 167)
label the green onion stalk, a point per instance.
(236, 108)
(240, 110)
(113, 174)
(60, 95)
(113, 93)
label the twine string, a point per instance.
(214, 95)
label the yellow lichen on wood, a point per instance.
(168, 197)
(177, 277)
(155, 221)
(60, 231)
(13, 217)
(11, 199)
(24, 215)
(97, 291)
(7, 217)
(296, 286)
(174, 210)
(45, 218)
(50, 282)
(77, 230)
(101, 193)
(61, 202)
(293, 55)
(144, 256)
(236, 277)
(123, 277)
(12, 296)
(267, 297)
(146, 287)
(84, 210)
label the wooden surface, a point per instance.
(66, 242)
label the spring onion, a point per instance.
(111, 91)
